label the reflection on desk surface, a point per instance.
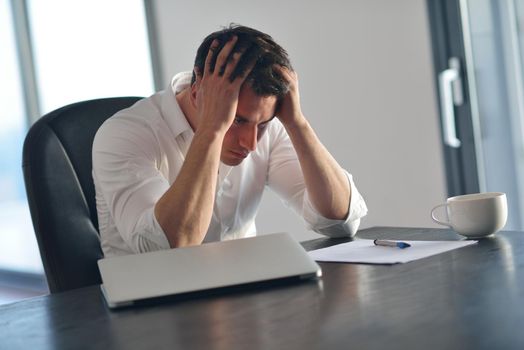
(462, 299)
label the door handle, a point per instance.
(450, 88)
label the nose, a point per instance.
(248, 138)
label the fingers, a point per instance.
(208, 67)
(222, 58)
(241, 76)
(232, 64)
(289, 76)
(285, 72)
(225, 62)
(198, 75)
(239, 62)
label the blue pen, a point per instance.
(385, 243)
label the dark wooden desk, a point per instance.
(471, 298)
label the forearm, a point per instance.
(326, 183)
(184, 211)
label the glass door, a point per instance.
(478, 53)
(55, 53)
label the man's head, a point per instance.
(261, 92)
(263, 79)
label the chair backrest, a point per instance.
(57, 170)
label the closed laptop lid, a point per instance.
(213, 265)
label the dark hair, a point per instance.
(264, 79)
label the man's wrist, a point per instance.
(296, 124)
(210, 134)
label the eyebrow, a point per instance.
(244, 119)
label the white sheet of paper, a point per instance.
(364, 251)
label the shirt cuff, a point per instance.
(337, 228)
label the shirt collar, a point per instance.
(171, 111)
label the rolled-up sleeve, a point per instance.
(285, 178)
(337, 228)
(126, 175)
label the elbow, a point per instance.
(335, 212)
(178, 231)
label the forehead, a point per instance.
(255, 108)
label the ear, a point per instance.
(195, 86)
(197, 74)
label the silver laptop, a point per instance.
(131, 278)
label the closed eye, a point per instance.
(262, 126)
(241, 121)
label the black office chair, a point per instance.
(57, 172)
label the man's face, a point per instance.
(253, 115)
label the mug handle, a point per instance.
(437, 220)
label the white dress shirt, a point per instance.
(138, 153)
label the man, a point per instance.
(189, 164)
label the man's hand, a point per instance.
(218, 88)
(289, 111)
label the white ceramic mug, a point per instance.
(475, 215)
